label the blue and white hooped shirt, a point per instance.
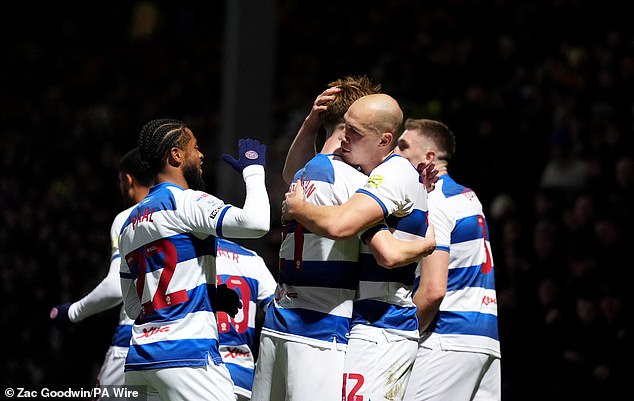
(318, 276)
(467, 317)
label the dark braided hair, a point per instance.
(131, 163)
(157, 138)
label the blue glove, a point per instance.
(250, 151)
(227, 300)
(59, 316)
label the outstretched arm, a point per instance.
(253, 220)
(391, 252)
(335, 222)
(104, 296)
(303, 147)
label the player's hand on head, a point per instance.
(227, 300)
(59, 316)
(250, 151)
(322, 101)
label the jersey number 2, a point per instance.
(352, 395)
(159, 254)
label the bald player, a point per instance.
(384, 329)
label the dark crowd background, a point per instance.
(540, 95)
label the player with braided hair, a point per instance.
(168, 269)
(156, 137)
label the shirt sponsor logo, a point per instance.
(214, 212)
(487, 300)
(374, 181)
(201, 197)
(234, 353)
(152, 331)
(208, 201)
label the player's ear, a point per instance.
(175, 157)
(129, 180)
(386, 139)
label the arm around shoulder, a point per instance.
(335, 222)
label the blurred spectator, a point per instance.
(563, 170)
(621, 193)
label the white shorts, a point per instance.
(378, 369)
(454, 375)
(211, 383)
(292, 371)
(112, 369)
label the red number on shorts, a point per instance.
(241, 321)
(161, 299)
(352, 395)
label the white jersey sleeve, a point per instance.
(441, 216)
(253, 220)
(384, 297)
(395, 186)
(107, 293)
(204, 214)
